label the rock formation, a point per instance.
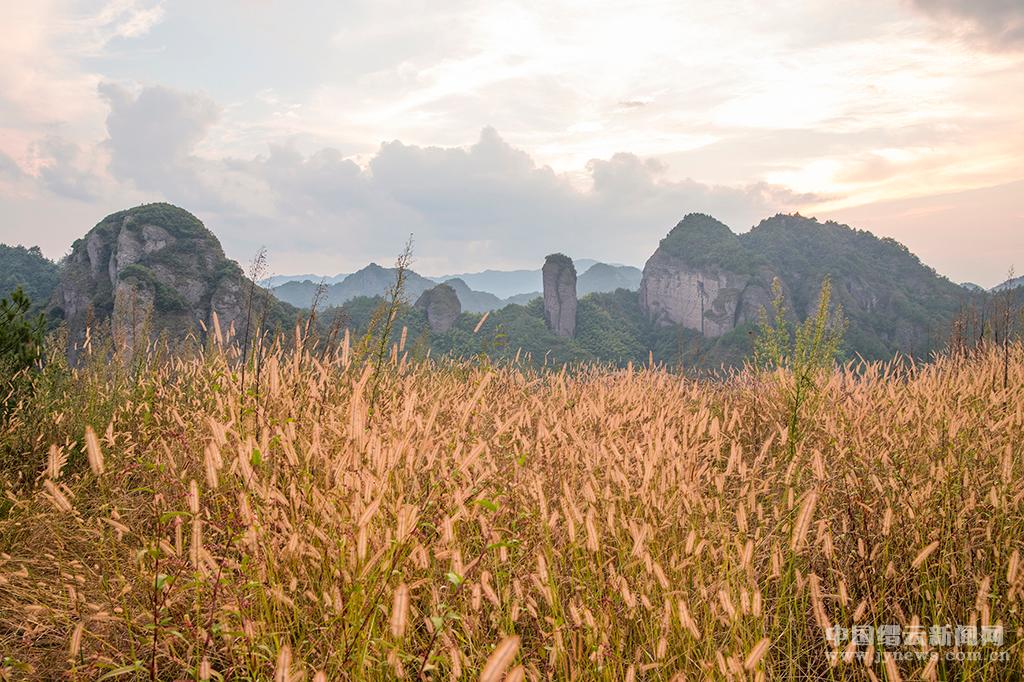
(559, 275)
(442, 307)
(701, 277)
(149, 271)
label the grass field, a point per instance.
(316, 518)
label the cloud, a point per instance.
(139, 20)
(487, 203)
(125, 19)
(627, 176)
(490, 203)
(152, 135)
(48, 49)
(482, 191)
(997, 23)
(66, 170)
(9, 169)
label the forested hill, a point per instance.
(29, 269)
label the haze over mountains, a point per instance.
(477, 291)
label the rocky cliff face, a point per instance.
(147, 271)
(559, 276)
(441, 304)
(700, 278)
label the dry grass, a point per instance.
(598, 524)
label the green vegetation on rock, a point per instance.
(702, 241)
(165, 298)
(892, 301)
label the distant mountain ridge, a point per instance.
(508, 283)
(602, 277)
(1012, 283)
(375, 280)
(278, 280)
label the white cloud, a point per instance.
(488, 203)
(140, 21)
(9, 169)
(67, 170)
(45, 89)
(152, 135)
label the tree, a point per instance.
(21, 336)
(21, 347)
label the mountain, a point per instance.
(523, 299)
(501, 283)
(278, 280)
(441, 306)
(374, 280)
(29, 269)
(702, 292)
(601, 277)
(153, 270)
(298, 294)
(705, 287)
(507, 284)
(702, 277)
(893, 303)
(971, 286)
(473, 301)
(1009, 284)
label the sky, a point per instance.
(495, 132)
